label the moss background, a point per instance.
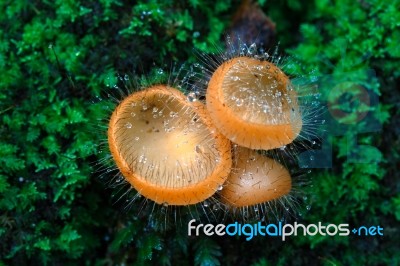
(56, 60)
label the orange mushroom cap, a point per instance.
(254, 179)
(167, 148)
(253, 104)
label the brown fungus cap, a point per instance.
(254, 179)
(167, 148)
(253, 104)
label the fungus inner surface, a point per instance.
(259, 92)
(164, 140)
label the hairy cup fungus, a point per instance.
(253, 103)
(167, 148)
(254, 179)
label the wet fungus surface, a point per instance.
(253, 103)
(254, 179)
(167, 148)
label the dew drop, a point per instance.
(252, 49)
(266, 108)
(128, 125)
(191, 97)
(239, 102)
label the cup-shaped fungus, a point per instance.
(167, 148)
(253, 104)
(254, 179)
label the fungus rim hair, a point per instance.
(249, 134)
(187, 195)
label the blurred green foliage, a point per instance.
(56, 59)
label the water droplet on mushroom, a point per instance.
(239, 102)
(191, 97)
